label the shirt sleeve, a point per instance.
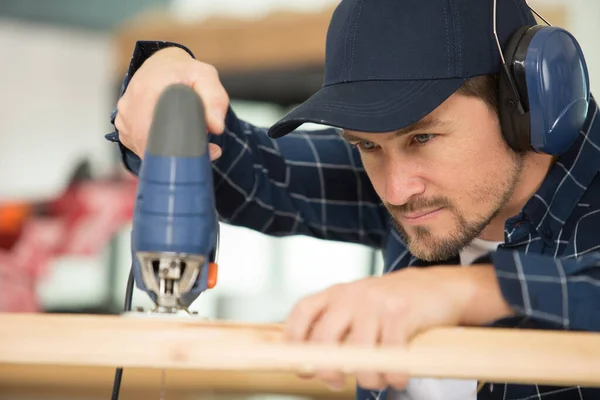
(551, 292)
(305, 183)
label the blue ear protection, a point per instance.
(544, 90)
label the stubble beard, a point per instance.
(427, 247)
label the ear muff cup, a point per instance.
(544, 92)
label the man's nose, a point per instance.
(402, 181)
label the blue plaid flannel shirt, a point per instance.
(312, 183)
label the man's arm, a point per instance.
(553, 292)
(310, 183)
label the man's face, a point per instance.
(444, 178)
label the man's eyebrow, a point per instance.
(420, 125)
(350, 137)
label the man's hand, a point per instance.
(391, 309)
(166, 67)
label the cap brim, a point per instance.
(369, 106)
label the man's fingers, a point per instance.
(396, 332)
(397, 321)
(319, 319)
(300, 320)
(398, 381)
(135, 109)
(122, 129)
(214, 151)
(332, 326)
(366, 332)
(213, 95)
(333, 379)
(133, 140)
(119, 122)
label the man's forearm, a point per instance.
(485, 303)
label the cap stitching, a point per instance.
(385, 78)
(449, 66)
(346, 44)
(390, 108)
(458, 40)
(354, 40)
(406, 93)
(387, 109)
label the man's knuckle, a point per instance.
(121, 104)
(218, 100)
(370, 381)
(373, 295)
(221, 98)
(205, 69)
(119, 123)
(337, 289)
(330, 376)
(211, 69)
(390, 304)
(397, 381)
(396, 305)
(303, 307)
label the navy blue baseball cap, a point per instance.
(389, 63)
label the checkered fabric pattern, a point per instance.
(313, 183)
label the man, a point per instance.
(428, 168)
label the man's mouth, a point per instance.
(422, 215)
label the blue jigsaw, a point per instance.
(175, 234)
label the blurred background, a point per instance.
(65, 199)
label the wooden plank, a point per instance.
(506, 355)
(144, 383)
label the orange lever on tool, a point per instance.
(211, 280)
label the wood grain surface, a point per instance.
(77, 382)
(490, 354)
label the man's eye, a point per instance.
(366, 145)
(422, 138)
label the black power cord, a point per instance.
(126, 307)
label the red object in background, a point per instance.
(17, 290)
(80, 222)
